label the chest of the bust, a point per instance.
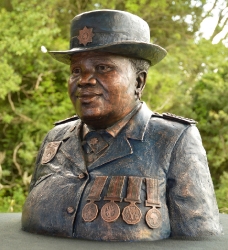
(134, 182)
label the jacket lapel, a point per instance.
(118, 149)
(71, 146)
(135, 129)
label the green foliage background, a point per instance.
(191, 81)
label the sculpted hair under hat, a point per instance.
(111, 31)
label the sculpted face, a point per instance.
(102, 87)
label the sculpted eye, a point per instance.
(103, 68)
(76, 71)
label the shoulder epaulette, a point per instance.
(156, 114)
(173, 117)
(70, 119)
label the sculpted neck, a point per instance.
(109, 120)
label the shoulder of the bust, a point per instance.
(175, 118)
(61, 128)
(67, 120)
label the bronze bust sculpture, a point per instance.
(118, 171)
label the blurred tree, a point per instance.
(30, 98)
(210, 106)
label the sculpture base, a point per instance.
(12, 237)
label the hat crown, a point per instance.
(111, 31)
(108, 27)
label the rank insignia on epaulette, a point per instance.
(156, 114)
(173, 117)
(50, 151)
(70, 119)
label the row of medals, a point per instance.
(131, 214)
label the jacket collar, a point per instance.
(134, 129)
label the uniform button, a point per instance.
(81, 176)
(70, 210)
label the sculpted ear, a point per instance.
(140, 83)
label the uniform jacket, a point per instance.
(149, 146)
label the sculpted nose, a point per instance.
(87, 77)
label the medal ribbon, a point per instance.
(97, 187)
(115, 189)
(152, 193)
(133, 189)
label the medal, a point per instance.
(90, 210)
(132, 214)
(111, 211)
(153, 216)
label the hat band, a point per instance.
(101, 39)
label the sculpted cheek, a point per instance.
(72, 88)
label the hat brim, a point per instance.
(151, 52)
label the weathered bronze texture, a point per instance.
(117, 151)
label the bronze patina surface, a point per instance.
(118, 171)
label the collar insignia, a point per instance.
(85, 36)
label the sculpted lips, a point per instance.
(87, 96)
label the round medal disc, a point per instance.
(131, 214)
(153, 218)
(89, 212)
(110, 212)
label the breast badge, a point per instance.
(50, 151)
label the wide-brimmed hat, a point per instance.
(113, 31)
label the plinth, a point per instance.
(12, 237)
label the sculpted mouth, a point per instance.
(87, 94)
(87, 97)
